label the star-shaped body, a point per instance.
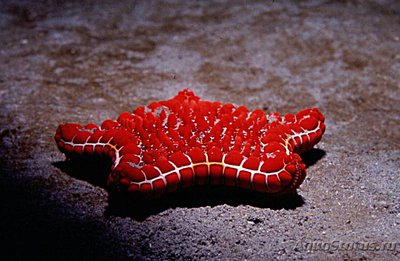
(186, 141)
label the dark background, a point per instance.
(68, 61)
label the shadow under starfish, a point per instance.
(96, 169)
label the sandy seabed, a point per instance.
(68, 61)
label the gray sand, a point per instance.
(73, 62)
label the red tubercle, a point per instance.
(124, 182)
(106, 149)
(140, 111)
(164, 165)
(303, 113)
(216, 131)
(88, 149)
(68, 148)
(259, 182)
(273, 184)
(295, 128)
(131, 159)
(214, 154)
(226, 142)
(130, 148)
(241, 110)
(99, 149)
(185, 131)
(309, 123)
(172, 121)
(216, 171)
(123, 137)
(109, 124)
(96, 136)
(244, 179)
(81, 137)
(247, 148)
(163, 115)
(174, 135)
(273, 146)
(150, 172)
(78, 150)
(138, 122)
(132, 187)
(147, 158)
(144, 135)
(202, 125)
(230, 176)
(148, 125)
(233, 158)
(197, 155)
(317, 114)
(291, 168)
(252, 163)
(273, 164)
(91, 126)
(68, 131)
(146, 189)
(289, 118)
(187, 177)
(173, 181)
(257, 151)
(179, 159)
(133, 173)
(163, 137)
(201, 174)
(61, 145)
(125, 116)
(112, 155)
(159, 187)
(227, 108)
(285, 178)
(273, 135)
(194, 143)
(154, 105)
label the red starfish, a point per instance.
(186, 141)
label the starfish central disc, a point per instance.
(186, 141)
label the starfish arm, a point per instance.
(74, 140)
(274, 175)
(305, 131)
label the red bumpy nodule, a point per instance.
(186, 141)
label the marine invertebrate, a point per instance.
(186, 141)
